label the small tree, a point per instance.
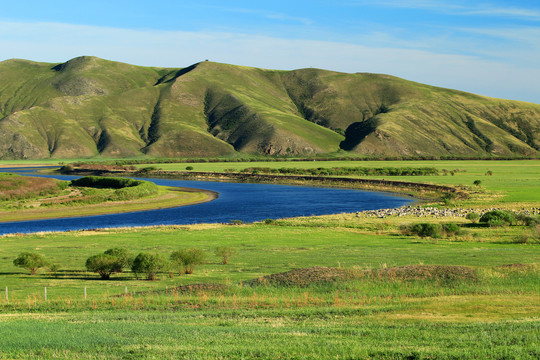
(477, 182)
(103, 264)
(149, 264)
(473, 217)
(224, 252)
(30, 261)
(110, 262)
(125, 259)
(185, 260)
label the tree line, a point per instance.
(117, 260)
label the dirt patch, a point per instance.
(303, 277)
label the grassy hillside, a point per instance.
(90, 107)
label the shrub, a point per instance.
(224, 252)
(498, 218)
(189, 168)
(103, 264)
(473, 217)
(477, 182)
(124, 257)
(426, 230)
(448, 198)
(526, 220)
(30, 261)
(451, 229)
(149, 264)
(110, 262)
(185, 260)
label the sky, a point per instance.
(488, 47)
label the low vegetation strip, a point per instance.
(15, 187)
(388, 185)
(365, 171)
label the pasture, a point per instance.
(468, 295)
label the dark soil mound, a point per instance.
(303, 277)
(442, 273)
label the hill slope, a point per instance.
(90, 106)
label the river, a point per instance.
(236, 201)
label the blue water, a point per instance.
(236, 201)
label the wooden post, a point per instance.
(45, 293)
(7, 298)
(85, 293)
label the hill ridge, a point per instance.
(88, 106)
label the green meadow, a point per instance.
(470, 295)
(512, 182)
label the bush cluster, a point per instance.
(498, 218)
(433, 230)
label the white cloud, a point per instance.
(60, 42)
(458, 8)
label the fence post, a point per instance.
(85, 293)
(7, 298)
(126, 290)
(45, 293)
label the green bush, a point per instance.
(426, 230)
(185, 260)
(30, 261)
(526, 220)
(110, 262)
(103, 264)
(498, 218)
(224, 252)
(149, 264)
(451, 229)
(473, 217)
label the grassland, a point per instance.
(512, 183)
(488, 309)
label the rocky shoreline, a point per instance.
(432, 212)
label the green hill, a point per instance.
(89, 107)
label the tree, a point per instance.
(124, 257)
(225, 253)
(473, 217)
(103, 264)
(185, 260)
(110, 262)
(477, 182)
(149, 264)
(30, 261)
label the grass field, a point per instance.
(487, 307)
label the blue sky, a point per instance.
(489, 47)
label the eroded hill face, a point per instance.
(89, 106)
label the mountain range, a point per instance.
(88, 107)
